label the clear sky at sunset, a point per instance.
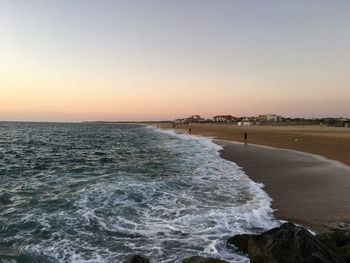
(71, 60)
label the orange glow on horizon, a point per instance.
(57, 65)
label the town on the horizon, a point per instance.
(260, 120)
(266, 119)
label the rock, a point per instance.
(286, 244)
(136, 259)
(198, 259)
(240, 242)
(338, 241)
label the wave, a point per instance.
(172, 197)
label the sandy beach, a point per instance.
(330, 142)
(309, 183)
(305, 188)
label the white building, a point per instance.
(223, 118)
(271, 117)
(191, 119)
(245, 122)
(268, 117)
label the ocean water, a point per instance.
(96, 193)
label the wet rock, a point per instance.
(286, 244)
(198, 259)
(136, 259)
(338, 241)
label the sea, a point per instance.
(99, 192)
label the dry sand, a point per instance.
(333, 143)
(305, 188)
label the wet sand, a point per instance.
(306, 187)
(333, 143)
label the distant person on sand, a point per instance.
(245, 137)
(190, 131)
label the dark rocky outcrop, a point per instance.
(338, 241)
(136, 259)
(286, 244)
(198, 259)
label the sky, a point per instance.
(78, 60)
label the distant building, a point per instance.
(269, 117)
(280, 118)
(245, 122)
(224, 118)
(191, 119)
(179, 120)
(336, 122)
(195, 117)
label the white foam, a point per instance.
(168, 217)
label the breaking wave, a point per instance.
(96, 193)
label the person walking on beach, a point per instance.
(190, 131)
(245, 137)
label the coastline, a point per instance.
(330, 142)
(307, 189)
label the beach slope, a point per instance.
(305, 170)
(305, 188)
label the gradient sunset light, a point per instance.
(71, 60)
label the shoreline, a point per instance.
(330, 142)
(306, 188)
